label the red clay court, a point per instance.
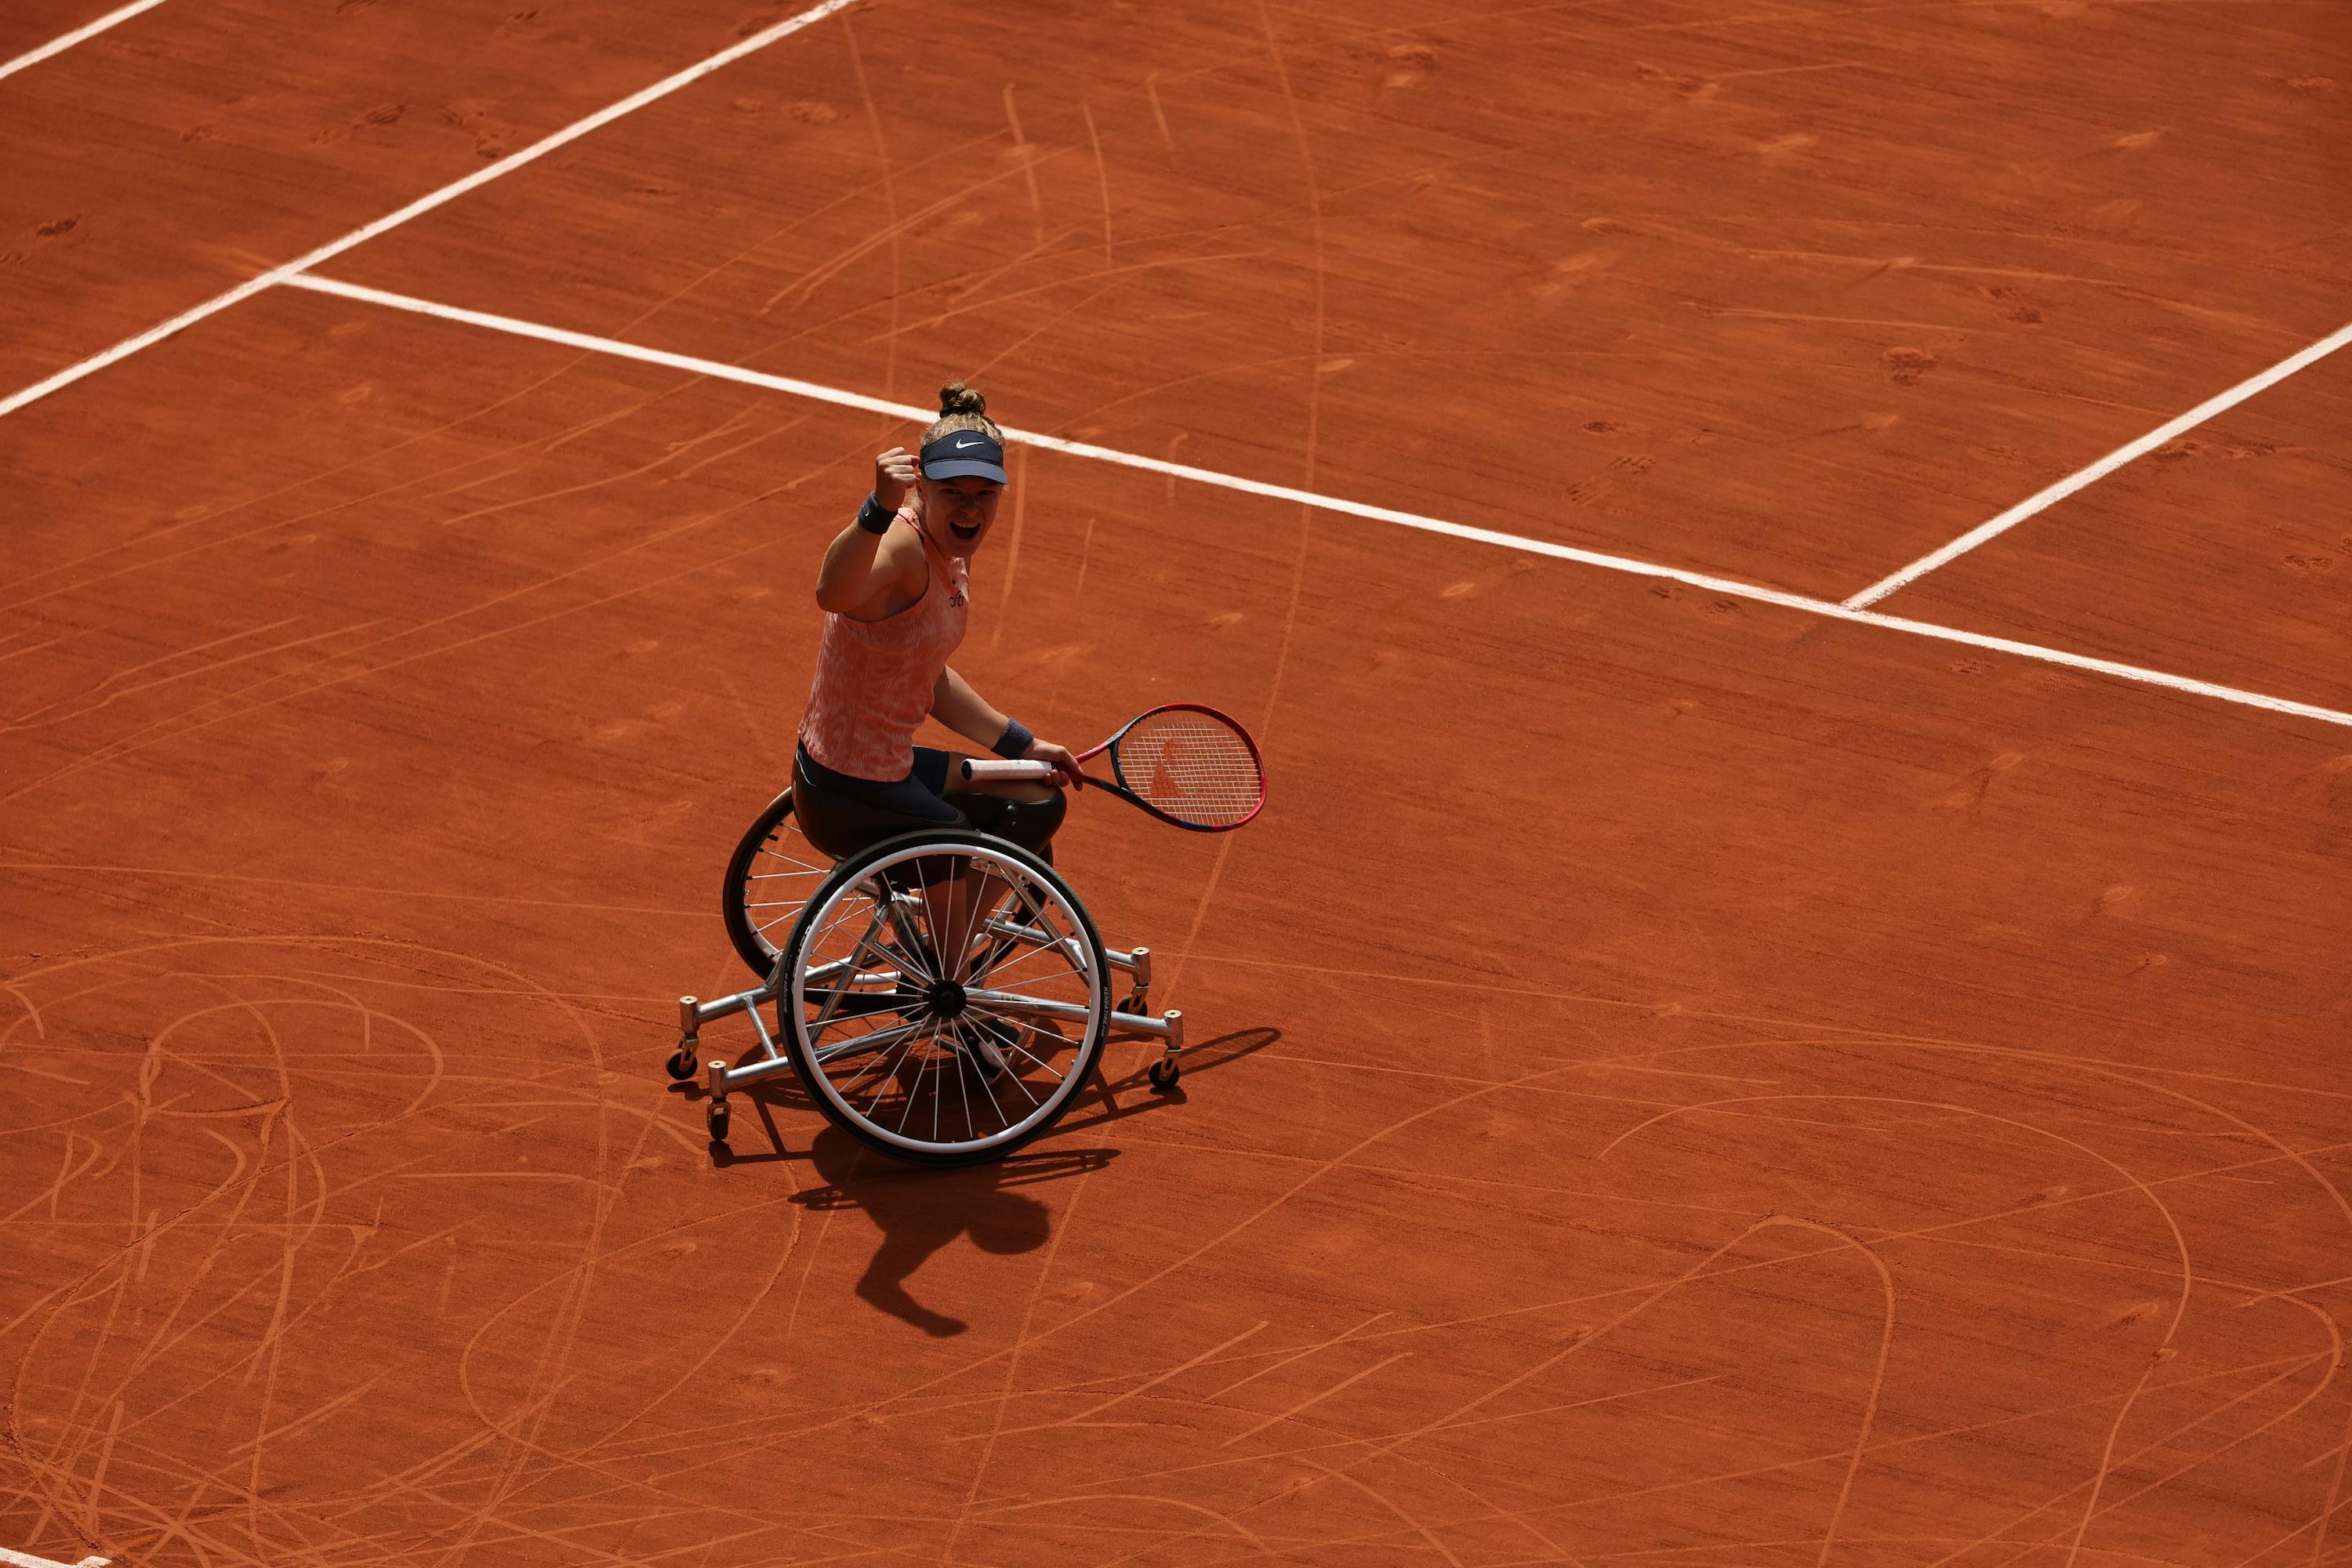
(1793, 562)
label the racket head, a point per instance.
(1189, 764)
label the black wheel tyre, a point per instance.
(718, 1121)
(1164, 1073)
(682, 1065)
(746, 927)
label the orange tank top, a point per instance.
(874, 678)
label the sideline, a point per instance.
(423, 204)
(58, 46)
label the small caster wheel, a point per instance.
(1164, 1073)
(1133, 1005)
(683, 1068)
(716, 1117)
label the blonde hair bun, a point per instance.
(956, 398)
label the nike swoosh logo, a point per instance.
(960, 446)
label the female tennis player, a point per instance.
(896, 589)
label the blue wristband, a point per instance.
(872, 518)
(1015, 741)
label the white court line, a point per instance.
(2102, 469)
(1723, 585)
(26, 1559)
(506, 165)
(60, 45)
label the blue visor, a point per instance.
(962, 454)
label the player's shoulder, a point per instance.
(902, 546)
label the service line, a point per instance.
(423, 204)
(2102, 469)
(58, 46)
(1723, 585)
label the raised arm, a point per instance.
(857, 571)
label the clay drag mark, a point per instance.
(338, 1255)
(1817, 1100)
(382, 1298)
(1769, 293)
(1681, 1080)
(197, 146)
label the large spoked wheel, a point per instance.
(768, 879)
(947, 997)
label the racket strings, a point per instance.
(1192, 766)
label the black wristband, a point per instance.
(1015, 741)
(873, 519)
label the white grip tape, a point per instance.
(984, 769)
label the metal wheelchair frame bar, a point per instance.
(693, 1011)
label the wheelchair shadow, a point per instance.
(920, 1211)
(1116, 1100)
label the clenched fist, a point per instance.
(894, 476)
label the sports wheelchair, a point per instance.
(943, 996)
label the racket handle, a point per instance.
(983, 769)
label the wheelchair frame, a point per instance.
(769, 1055)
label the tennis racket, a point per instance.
(1184, 763)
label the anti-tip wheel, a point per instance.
(1164, 1073)
(683, 1068)
(717, 1116)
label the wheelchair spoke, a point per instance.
(832, 922)
(1039, 941)
(1027, 1031)
(907, 1108)
(871, 1040)
(908, 956)
(956, 973)
(825, 1010)
(987, 959)
(913, 937)
(995, 978)
(889, 1078)
(1013, 1075)
(772, 877)
(971, 1064)
(963, 1095)
(880, 1058)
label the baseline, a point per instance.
(65, 41)
(1723, 585)
(2220, 404)
(424, 203)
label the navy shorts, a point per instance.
(841, 814)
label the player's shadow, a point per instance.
(920, 1211)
